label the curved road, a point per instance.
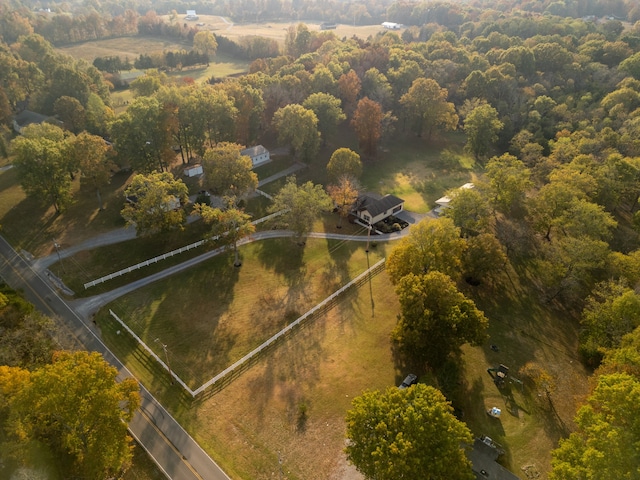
(173, 449)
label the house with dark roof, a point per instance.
(27, 117)
(483, 458)
(371, 208)
(257, 154)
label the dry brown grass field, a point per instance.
(276, 30)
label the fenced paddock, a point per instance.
(228, 374)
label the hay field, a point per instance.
(275, 30)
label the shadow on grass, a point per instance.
(284, 257)
(289, 371)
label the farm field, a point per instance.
(276, 30)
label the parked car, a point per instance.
(407, 382)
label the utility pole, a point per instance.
(56, 245)
(166, 356)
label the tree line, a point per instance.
(69, 22)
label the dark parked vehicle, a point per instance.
(407, 382)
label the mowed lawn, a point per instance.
(215, 313)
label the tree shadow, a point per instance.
(199, 344)
(284, 257)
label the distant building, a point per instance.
(257, 154)
(191, 15)
(328, 26)
(443, 202)
(193, 170)
(392, 25)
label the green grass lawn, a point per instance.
(215, 313)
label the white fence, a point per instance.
(164, 256)
(238, 366)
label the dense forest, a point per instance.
(547, 93)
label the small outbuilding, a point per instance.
(443, 202)
(258, 155)
(371, 208)
(193, 170)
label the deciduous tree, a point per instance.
(409, 433)
(436, 318)
(349, 85)
(227, 172)
(156, 203)
(302, 205)
(298, 126)
(327, 109)
(426, 106)
(91, 154)
(71, 112)
(482, 127)
(229, 225)
(43, 164)
(432, 245)
(344, 194)
(509, 181)
(605, 444)
(205, 42)
(611, 311)
(27, 335)
(344, 162)
(367, 121)
(142, 135)
(469, 209)
(77, 408)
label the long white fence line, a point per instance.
(152, 353)
(164, 256)
(238, 364)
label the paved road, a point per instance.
(172, 448)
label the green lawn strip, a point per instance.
(89, 265)
(213, 314)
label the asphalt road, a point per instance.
(172, 448)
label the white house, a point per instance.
(371, 209)
(392, 25)
(193, 170)
(443, 202)
(257, 154)
(191, 15)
